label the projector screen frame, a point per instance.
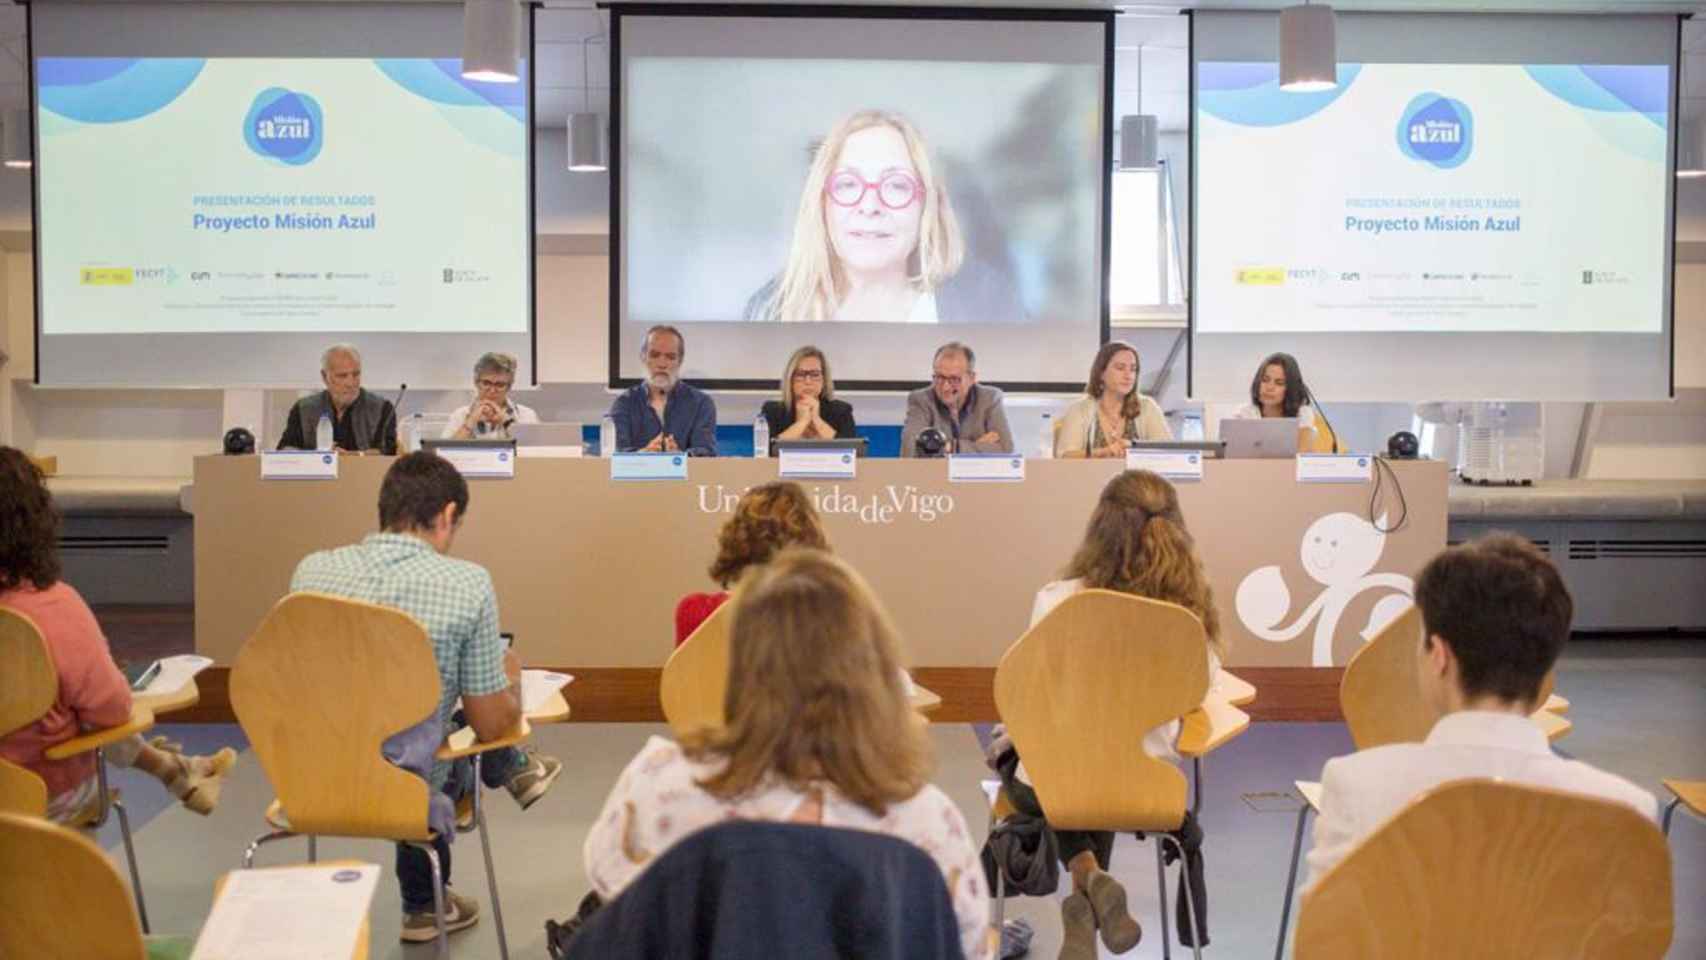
(1674, 132)
(532, 264)
(614, 380)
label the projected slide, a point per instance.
(262, 195)
(1438, 197)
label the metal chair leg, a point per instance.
(1670, 811)
(491, 873)
(1185, 888)
(109, 802)
(1161, 885)
(437, 900)
(1291, 880)
(313, 849)
(256, 844)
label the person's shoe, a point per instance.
(1120, 930)
(530, 782)
(460, 913)
(195, 780)
(1079, 922)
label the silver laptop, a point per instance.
(547, 434)
(1270, 439)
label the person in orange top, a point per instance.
(92, 692)
(767, 518)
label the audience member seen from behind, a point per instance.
(92, 692)
(406, 566)
(767, 519)
(875, 239)
(971, 415)
(1495, 617)
(1112, 415)
(361, 421)
(661, 414)
(1278, 390)
(494, 413)
(1136, 543)
(808, 409)
(819, 731)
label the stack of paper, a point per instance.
(289, 913)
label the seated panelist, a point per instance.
(662, 414)
(1278, 390)
(493, 414)
(1112, 414)
(808, 409)
(971, 415)
(361, 421)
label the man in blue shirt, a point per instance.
(662, 414)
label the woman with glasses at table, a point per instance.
(492, 415)
(876, 240)
(808, 409)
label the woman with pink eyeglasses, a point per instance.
(876, 240)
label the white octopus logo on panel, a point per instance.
(1339, 551)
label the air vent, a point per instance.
(86, 545)
(1637, 549)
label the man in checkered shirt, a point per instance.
(406, 567)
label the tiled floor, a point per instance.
(1639, 709)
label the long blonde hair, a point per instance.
(1137, 543)
(813, 283)
(814, 689)
(803, 353)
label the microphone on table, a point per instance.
(397, 417)
(1323, 412)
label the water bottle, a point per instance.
(323, 433)
(412, 440)
(1045, 450)
(760, 436)
(606, 436)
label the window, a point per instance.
(1145, 280)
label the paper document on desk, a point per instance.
(260, 914)
(175, 672)
(537, 686)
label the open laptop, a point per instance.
(548, 434)
(855, 444)
(1272, 438)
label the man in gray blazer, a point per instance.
(969, 414)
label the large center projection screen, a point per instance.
(973, 158)
(226, 189)
(1481, 209)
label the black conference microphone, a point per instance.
(397, 417)
(1323, 412)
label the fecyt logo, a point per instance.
(1436, 129)
(284, 126)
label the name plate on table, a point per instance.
(827, 464)
(474, 461)
(551, 452)
(648, 466)
(299, 465)
(1334, 468)
(1172, 464)
(986, 468)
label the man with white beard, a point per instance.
(661, 414)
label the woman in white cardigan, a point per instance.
(1112, 414)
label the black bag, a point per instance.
(558, 935)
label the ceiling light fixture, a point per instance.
(588, 141)
(1308, 49)
(491, 40)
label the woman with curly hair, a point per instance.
(92, 693)
(767, 518)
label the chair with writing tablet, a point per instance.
(1076, 692)
(318, 689)
(1484, 869)
(29, 684)
(1382, 702)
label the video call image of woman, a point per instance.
(876, 239)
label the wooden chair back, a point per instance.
(1380, 694)
(28, 685)
(695, 679)
(317, 689)
(1080, 689)
(1480, 868)
(64, 900)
